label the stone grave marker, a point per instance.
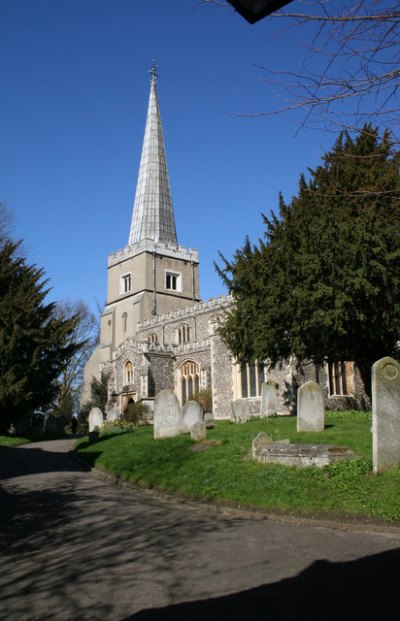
(54, 424)
(198, 431)
(385, 414)
(95, 419)
(166, 415)
(240, 411)
(310, 407)
(192, 413)
(112, 415)
(269, 399)
(260, 442)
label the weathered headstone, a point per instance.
(166, 415)
(240, 411)
(269, 399)
(310, 407)
(112, 415)
(385, 414)
(198, 431)
(192, 413)
(260, 442)
(96, 419)
(54, 424)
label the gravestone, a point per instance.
(310, 408)
(166, 415)
(54, 424)
(260, 442)
(192, 413)
(112, 415)
(95, 419)
(198, 431)
(240, 411)
(269, 399)
(385, 414)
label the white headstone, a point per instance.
(385, 414)
(310, 407)
(269, 399)
(112, 415)
(96, 419)
(192, 413)
(198, 431)
(240, 411)
(166, 415)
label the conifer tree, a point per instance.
(324, 285)
(35, 345)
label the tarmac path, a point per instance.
(76, 547)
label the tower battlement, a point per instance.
(147, 245)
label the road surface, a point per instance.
(76, 547)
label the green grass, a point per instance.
(226, 472)
(13, 440)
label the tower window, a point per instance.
(126, 283)
(183, 334)
(172, 281)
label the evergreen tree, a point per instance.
(325, 283)
(35, 345)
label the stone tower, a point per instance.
(152, 274)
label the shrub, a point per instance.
(204, 398)
(115, 427)
(136, 413)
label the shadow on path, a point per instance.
(367, 588)
(75, 547)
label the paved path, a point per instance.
(76, 547)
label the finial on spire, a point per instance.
(153, 71)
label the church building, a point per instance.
(157, 333)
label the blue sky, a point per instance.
(74, 88)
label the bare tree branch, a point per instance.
(350, 67)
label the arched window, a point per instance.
(189, 380)
(251, 378)
(128, 372)
(340, 378)
(183, 334)
(124, 321)
(152, 338)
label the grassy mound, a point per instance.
(225, 471)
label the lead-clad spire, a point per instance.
(153, 214)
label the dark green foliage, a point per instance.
(35, 345)
(136, 413)
(325, 283)
(204, 398)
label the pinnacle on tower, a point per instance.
(153, 214)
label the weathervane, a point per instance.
(153, 71)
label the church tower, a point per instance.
(152, 274)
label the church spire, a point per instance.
(153, 214)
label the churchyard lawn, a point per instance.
(224, 470)
(14, 440)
